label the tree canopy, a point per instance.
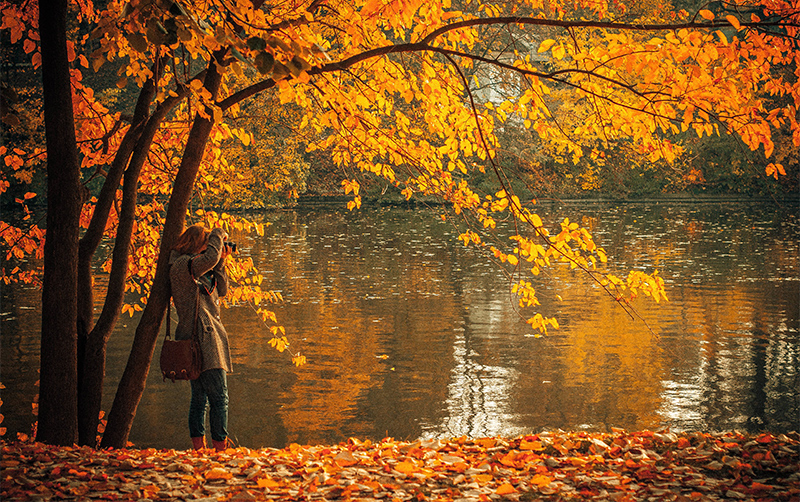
(175, 105)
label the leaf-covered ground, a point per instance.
(547, 466)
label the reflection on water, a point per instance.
(409, 334)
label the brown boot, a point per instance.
(199, 443)
(220, 445)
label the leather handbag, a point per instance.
(182, 359)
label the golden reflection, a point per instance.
(409, 334)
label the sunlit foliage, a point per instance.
(417, 93)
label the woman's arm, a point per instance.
(209, 258)
(221, 275)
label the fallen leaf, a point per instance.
(217, 473)
(505, 489)
(267, 482)
(406, 467)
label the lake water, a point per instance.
(408, 334)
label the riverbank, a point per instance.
(547, 466)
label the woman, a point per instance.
(198, 279)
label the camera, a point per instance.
(231, 245)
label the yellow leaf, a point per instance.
(483, 478)
(707, 14)
(734, 22)
(545, 45)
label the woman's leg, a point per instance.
(197, 410)
(215, 383)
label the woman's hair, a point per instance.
(192, 240)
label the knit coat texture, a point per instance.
(212, 335)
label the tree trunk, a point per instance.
(58, 396)
(131, 387)
(105, 199)
(86, 249)
(91, 385)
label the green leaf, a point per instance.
(256, 43)
(156, 32)
(137, 41)
(279, 71)
(277, 42)
(184, 35)
(300, 63)
(97, 32)
(264, 62)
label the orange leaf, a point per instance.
(707, 14)
(267, 483)
(508, 460)
(218, 473)
(406, 467)
(531, 445)
(764, 438)
(505, 489)
(486, 442)
(540, 480)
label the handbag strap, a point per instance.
(196, 300)
(169, 314)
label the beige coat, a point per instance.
(212, 334)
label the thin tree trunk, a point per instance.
(87, 415)
(91, 386)
(131, 387)
(105, 200)
(58, 396)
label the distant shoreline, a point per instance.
(322, 200)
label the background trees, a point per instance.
(425, 96)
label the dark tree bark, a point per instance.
(58, 396)
(131, 387)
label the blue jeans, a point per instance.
(211, 388)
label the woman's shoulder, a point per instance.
(177, 260)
